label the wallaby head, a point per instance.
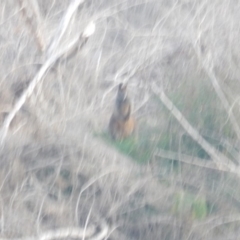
(122, 87)
(122, 91)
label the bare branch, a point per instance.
(63, 25)
(64, 233)
(27, 93)
(61, 233)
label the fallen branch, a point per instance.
(220, 160)
(29, 90)
(185, 159)
(91, 233)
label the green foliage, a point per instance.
(199, 208)
(167, 141)
(182, 203)
(138, 149)
(188, 203)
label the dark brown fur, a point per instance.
(121, 123)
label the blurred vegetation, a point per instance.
(185, 202)
(200, 105)
(50, 162)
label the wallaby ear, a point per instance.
(122, 87)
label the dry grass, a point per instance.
(61, 176)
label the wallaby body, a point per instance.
(121, 123)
